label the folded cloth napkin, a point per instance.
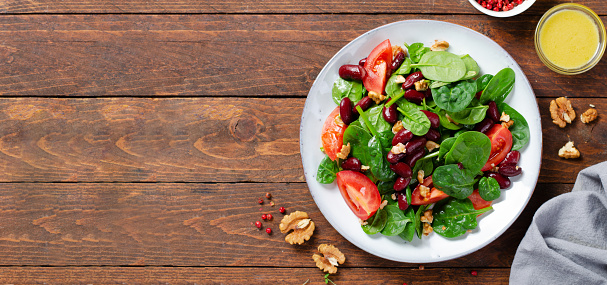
(567, 240)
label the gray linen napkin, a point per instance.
(567, 240)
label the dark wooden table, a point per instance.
(137, 136)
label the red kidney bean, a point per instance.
(414, 96)
(398, 60)
(390, 114)
(460, 166)
(402, 202)
(403, 136)
(509, 170)
(428, 93)
(434, 120)
(492, 112)
(402, 169)
(484, 125)
(412, 158)
(432, 135)
(415, 144)
(502, 180)
(478, 94)
(362, 62)
(395, 158)
(364, 103)
(352, 72)
(352, 163)
(511, 158)
(345, 111)
(412, 78)
(401, 183)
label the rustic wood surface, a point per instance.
(137, 136)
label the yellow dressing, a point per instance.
(569, 39)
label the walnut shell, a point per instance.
(301, 225)
(330, 259)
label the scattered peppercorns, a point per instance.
(268, 230)
(260, 201)
(282, 210)
(473, 272)
(268, 195)
(499, 5)
(269, 216)
(258, 224)
(264, 217)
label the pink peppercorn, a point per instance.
(473, 272)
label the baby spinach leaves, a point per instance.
(344, 88)
(424, 164)
(375, 117)
(482, 82)
(405, 67)
(453, 181)
(393, 88)
(397, 220)
(499, 87)
(472, 68)
(416, 51)
(456, 98)
(376, 223)
(413, 120)
(520, 128)
(358, 138)
(409, 231)
(379, 165)
(327, 171)
(489, 189)
(455, 217)
(470, 115)
(472, 149)
(419, 226)
(441, 66)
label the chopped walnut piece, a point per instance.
(364, 167)
(424, 191)
(569, 151)
(420, 175)
(505, 117)
(589, 116)
(396, 49)
(330, 259)
(439, 46)
(398, 148)
(427, 217)
(430, 145)
(345, 151)
(362, 222)
(397, 127)
(451, 120)
(507, 124)
(561, 111)
(378, 98)
(300, 223)
(383, 204)
(421, 85)
(400, 79)
(339, 122)
(393, 196)
(427, 229)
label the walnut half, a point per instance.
(589, 116)
(330, 259)
(561, 111)
(300, 223)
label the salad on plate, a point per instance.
(420, 140)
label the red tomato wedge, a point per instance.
(332, 135)
(501, 143)
(478, 202)
(376, 66)
(360, 193)
(435, 194)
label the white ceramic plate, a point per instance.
(491, 58)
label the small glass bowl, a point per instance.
(599, 51)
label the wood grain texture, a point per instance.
(192, 224)
(222, 55)
(203, 140)
(251, 6)
(188, 275)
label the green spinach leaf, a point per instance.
(419, 226)
(344, 88)
(453, 181)
(445, 147)
(424, 164)
(469, 116)
(327, 171)
(520, 128)
(376, 223)
(396, 221)
(489, 189)
(444, 122)
(441, 66)
(472, 68)
(385, 187)
(359, 141)
(456, 98)
(379, 165)
(499, 87)
(409, 231)
(455, 217)
(405, 67)
(376, 118)
(416, 51)
(413, 119)
(393, 89)
(472, 149)
(482, 82)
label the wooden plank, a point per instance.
(221, 55)
(250, 6)
(247, 275)
(191, 224)
(202, 140)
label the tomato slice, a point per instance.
(501, 143)
(360, 193)
(332, 135)
(435, 194)
(376, 66)
(478, 202)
